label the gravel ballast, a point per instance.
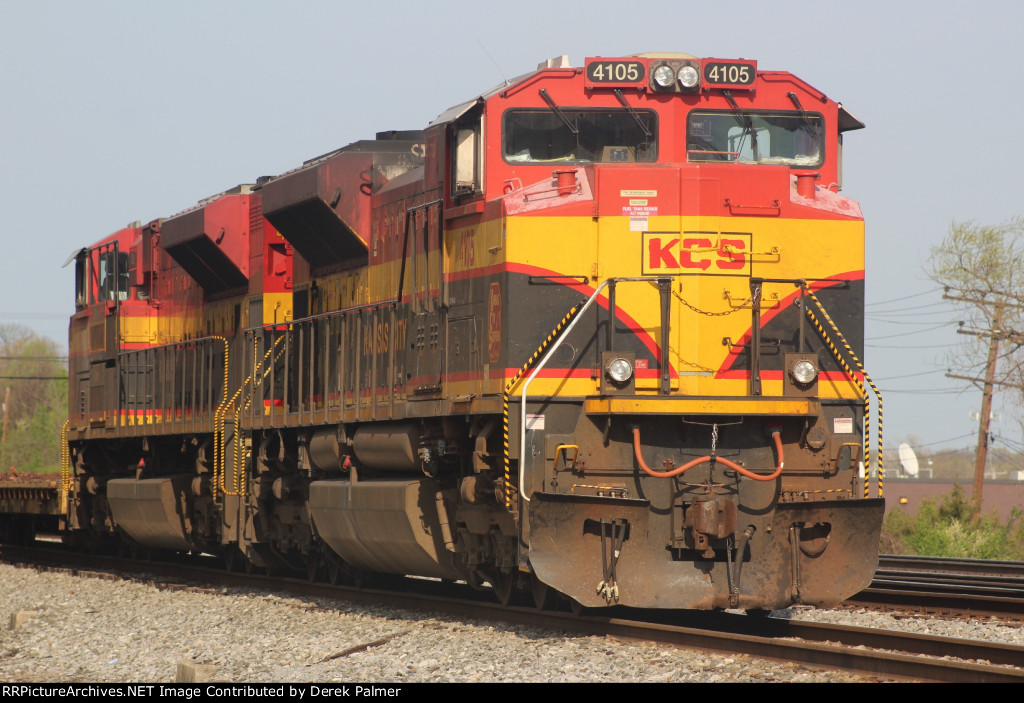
(96, 630)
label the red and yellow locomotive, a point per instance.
(593, 332)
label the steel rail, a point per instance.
(939, 580)
(945, 564)
(921, 601)
(916, 657)
(934, 585)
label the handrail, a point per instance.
(544, 360)
(853, 377)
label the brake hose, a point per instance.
(709, 457)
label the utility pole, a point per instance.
(981, 268)
(986, 404)
(995, 334)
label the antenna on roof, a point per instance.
(500, 72)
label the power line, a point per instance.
(925, 391)
(985, 381)
(906, 322)
(1013, 444)
(914, 310)
(908, 375)
(34, 378)
(952, 451)
(906, 297)
(34, 315)
(913, 315)
(910, 348)
(943, 441)
(906, 334)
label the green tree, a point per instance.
(954, 527)
(33, 388)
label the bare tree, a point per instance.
(981, 268)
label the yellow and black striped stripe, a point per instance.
(508, 389)
(65, 459)
(867, 400)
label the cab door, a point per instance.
(102, 282)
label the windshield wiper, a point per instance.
(632, 113)
(745, 122)
(561, 115)
(812, 130)
(803, 116)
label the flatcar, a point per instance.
(594, 333)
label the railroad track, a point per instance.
(938, 586)
(882, 654)
(984, 567)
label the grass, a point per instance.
(953, 526)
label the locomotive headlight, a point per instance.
(664, 76)
(804, 372)
(688, 77)
(619, 370)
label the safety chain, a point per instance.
(867, 399)
(730, 311)
(694, 364)
(508, 390)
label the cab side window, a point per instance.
(113, 275)
(468, 155)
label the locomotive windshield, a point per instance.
(789, 138)
(579, 136)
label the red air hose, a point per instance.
(700, 460)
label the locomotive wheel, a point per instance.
(313, 568)
(503, 585)
(360, 578)
(544, 597)
(475, 581)
(334, 572)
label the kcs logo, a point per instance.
(695, 253)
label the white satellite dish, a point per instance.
(908, 460)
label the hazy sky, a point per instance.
(114, 111)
